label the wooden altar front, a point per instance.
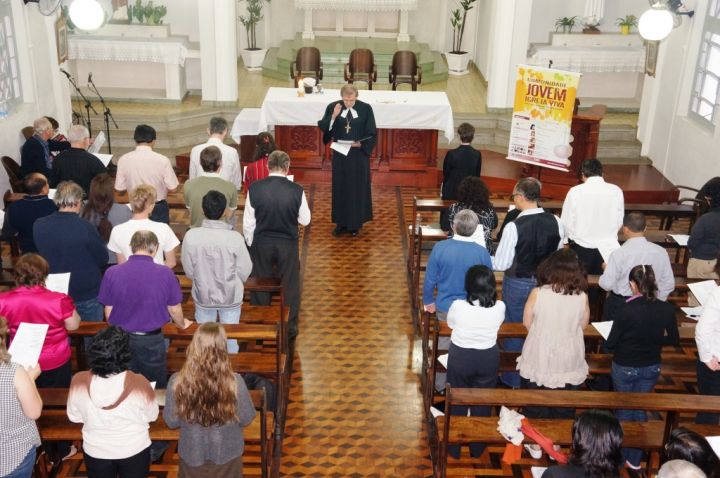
(402, 157)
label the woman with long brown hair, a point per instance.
(258, 168)
(211, 405)
(102, 211)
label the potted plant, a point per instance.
(627, 23)
(252, 56)
(457, 58)
(157, 15)
(591, 24)
(565, 23)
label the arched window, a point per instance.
(10, 90)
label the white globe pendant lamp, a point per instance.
(656, 23)
(87, 14)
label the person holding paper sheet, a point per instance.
(707, 338)
(21, 405)
(704, 240)
(592, 215)
(636, 341)
(350, 120)
(76, 164)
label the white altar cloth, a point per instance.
(246, 123)
(589, 59)
(392, 109)
(358, 5)
(169, 51)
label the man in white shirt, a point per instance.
(230, 169)
(592, 215)
(707, 338)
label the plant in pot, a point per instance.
(591, 24)
(157, 15)
(458, 59)
(627, 23)
(252, 55)
(565, 24)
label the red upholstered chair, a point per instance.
(307, 64)
(361, 67)
(405, 69)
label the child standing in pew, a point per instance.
(474, 359)
(211, 405)
(636, 341)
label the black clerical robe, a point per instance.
(351, 195)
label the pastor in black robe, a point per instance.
(351, 194)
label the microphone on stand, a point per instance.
(65, 73)
(90, 77)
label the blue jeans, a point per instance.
(25, 468)
(515, 292)
(634, 379)
(90, 310)
(148, 357)
(228, 315)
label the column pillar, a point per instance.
(403, 35)
(308, 33)
(218, 50)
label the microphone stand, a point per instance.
(88, 105)
(106, 113)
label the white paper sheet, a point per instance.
(104, 158)
(702, 290)
(715, 444)
(98, 143)
(681, 239)
(603, 328)
(341, 148)
(51, 194)
(58, 282)
(692, 312)
(537, 471)
(606, 247)
(2, 216)
(27, 344)
(436, 413)
(443, 359)
(291, 177)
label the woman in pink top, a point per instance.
(31, 302)
(258, 168)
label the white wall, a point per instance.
(44, 88)
(182, 16)
(684, 150)
(484, 34)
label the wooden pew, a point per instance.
(650, 435)
(54, 425)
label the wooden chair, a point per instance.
(27, 131)
(13, 171)
(361, 67)
(307, 64)
(405, 69)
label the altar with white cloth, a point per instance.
(407, 122)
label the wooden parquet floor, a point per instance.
(354, 408)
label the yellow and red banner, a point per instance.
(542, 116)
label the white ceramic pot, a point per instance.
(457, 63)
(253, 59)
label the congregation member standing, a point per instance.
(592, 215)
(142, 200)
(35, 154)
(636, 250)
(145, 166)
(528, 240)
(704, 241)
(350, 120)
(76, 164)
(20, 216)
(71, 244)
(707, 338)
(195, 189)
(474, 195)
(459, 163)
(273, 209)
(230, 167)
(258, 168)
(215, 258)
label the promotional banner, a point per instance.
(542, 116)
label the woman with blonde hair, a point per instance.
(211, 405)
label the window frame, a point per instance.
(709, 43)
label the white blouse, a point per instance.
(707, 331)
(475, 327)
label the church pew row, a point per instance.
(651, 436)
(54, 425)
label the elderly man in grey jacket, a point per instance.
(216, 259)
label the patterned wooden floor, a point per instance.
(355, 409)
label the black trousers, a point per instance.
(161, 212)
(613, 304)
(546, 412)
(275, 257)
(472, 368)
(591, 259)
(59, 377)
(136, 466)
(708, 384)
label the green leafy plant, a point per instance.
(457, 20)
(254, 15)
(158, 14)
(629, 21)
(565, 23)
(148, 11)
(138, 11)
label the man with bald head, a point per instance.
(35, 153)
(20, 216)
(76, 164)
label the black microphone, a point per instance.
(65, 73)
(90, 77)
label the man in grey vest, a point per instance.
(273, 209)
